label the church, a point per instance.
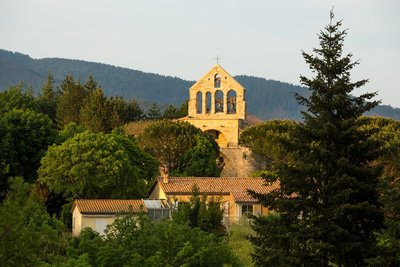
(217, 105)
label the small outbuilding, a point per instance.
(98, 213)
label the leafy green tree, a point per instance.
(154, 112)
(29, 236)
(238, 240)
(47, 98)
(267, 140)
(327, 202)
(202, 211)
(174, 145)
(69, 131)
(387, 131)
(200, 160)
(91, 165)
(147, 165)
(15, 98)
(24, 138)
(93, 113)
(164, 243)
(70, 101)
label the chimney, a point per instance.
(164, 174)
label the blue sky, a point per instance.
(181, 37)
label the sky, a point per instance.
(181, 38)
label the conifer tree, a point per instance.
(93, 114)
(70, 101)
(154, 112)
(327, 205)
(91, 84)
(47, 97)
(133, 112)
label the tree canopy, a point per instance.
(327, 204)
(181, 148)
(24, 138)
(267, 140)
(94, 165)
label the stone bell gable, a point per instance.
(217, 105)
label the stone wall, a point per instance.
(239, 162)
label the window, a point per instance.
(208, 102)
(217, 81)
(199, 103)
(231, 102)
(101, 225)
(247, 209)
(219, 101)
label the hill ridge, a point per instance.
(266, 98)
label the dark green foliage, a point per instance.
(133, 111)
(387, 131)
(181, 148)
(91, 85)
(92, 165)
(15, 98)
(200, 160)
(267, 140)
(70, 101)
(328, 203)
(47, 98)
(69, 131)
(93, 113)
(171, 112)
(24, 138)
(29, 236)
(202, 211)
(121, 112)
(136, 241)
(148, 166)
(238, 240)
(154, 112)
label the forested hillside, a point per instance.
(267, 99)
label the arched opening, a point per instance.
(219, 137)
(208, 102)
(219, 101)
(217, 80)
(231, 102)
(199, 102)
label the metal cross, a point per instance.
(217, 59)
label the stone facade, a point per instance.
(217, 105)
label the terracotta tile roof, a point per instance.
(218, 185)
(109, 206)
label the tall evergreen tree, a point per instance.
(93, 114)
(327, 205)
(91, 84)
(154, 112)
(72, 97)
(134, 112)
(47, 97)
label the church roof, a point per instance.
(237, 186)
(109, 206)
(220, 70)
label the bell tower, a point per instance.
(217, 105)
